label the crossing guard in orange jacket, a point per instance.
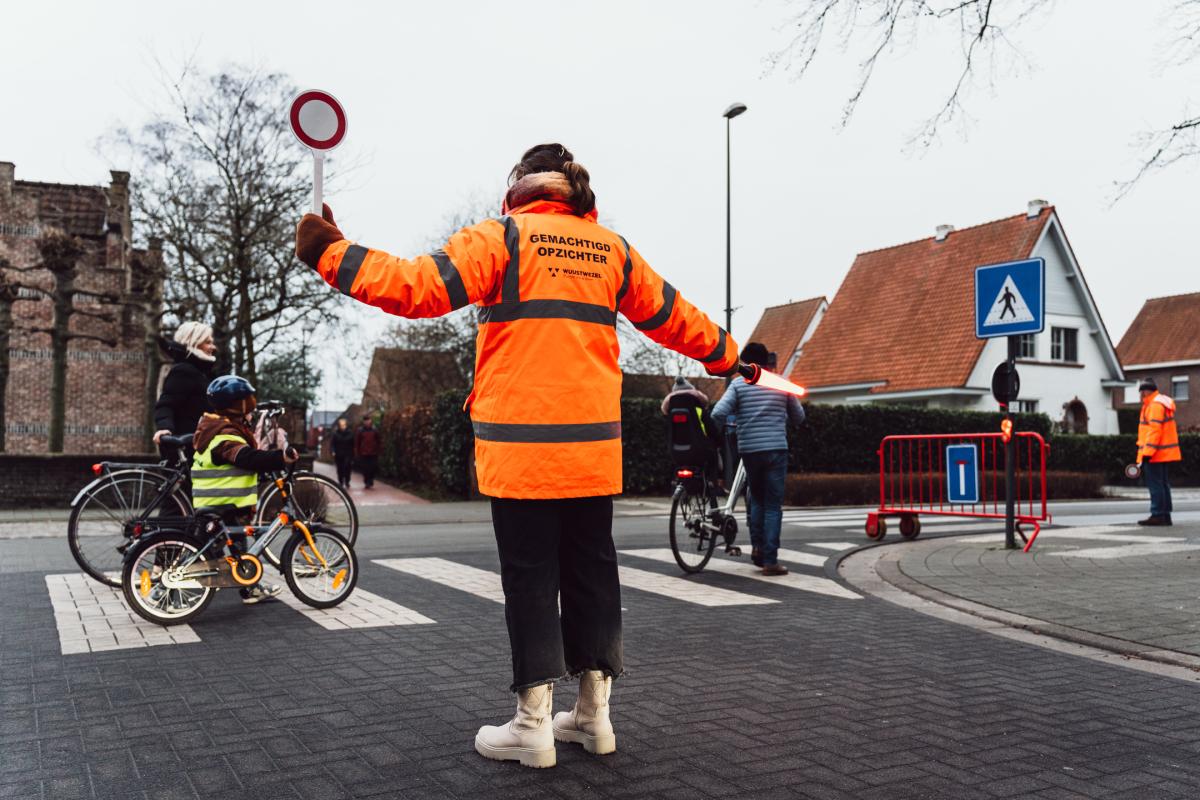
(1158, 446)
(549, 282)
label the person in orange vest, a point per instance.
(549, 282)
(1158, 446)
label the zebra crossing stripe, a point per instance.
(482, 583)
(686, 590)
(836, 546)
(92, 617)
(471, 580)
(793, 580)
(800, 557)
(360, 610)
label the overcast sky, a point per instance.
(443, 97)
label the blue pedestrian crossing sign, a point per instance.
(1010, 299)
(962, 474)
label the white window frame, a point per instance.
(1058, 344)
(1031, 340)
(1026, 407)
(1179, 380)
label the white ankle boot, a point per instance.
(588, 724)
(528, 736)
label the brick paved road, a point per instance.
(812, 695)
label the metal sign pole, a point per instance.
(1010, 459)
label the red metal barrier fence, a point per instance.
(914, 480)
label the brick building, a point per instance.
(1163, 343)
(107, 390)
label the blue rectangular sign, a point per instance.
(962, 474)
(1010, 299)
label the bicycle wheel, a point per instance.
(321, 502)
(102, 522)
(141, 580)
(691, 541)
(323, 578)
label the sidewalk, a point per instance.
(381, 494)
(1125, 589)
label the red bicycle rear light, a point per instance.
(679, 418)
(684, 473)
(96, 468)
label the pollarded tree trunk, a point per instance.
(8, 295)
(60, 255)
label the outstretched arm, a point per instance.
(467, 270)
(659, 311)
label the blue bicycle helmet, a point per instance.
(231, 393)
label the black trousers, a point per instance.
(559, 553)
(344, 463)
(367, 466)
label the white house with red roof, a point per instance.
(901, 329)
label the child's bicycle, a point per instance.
(170, 576)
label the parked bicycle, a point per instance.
(699, 519)
(171, 574)
(129, 500)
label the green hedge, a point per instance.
(835, 439)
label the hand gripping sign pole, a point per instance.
(756, 375)
(319, 122)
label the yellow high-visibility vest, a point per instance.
(221, 484)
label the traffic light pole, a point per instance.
(1010, 460)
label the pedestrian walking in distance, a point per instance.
(762, 419)
(367, 444)
(341, 442)
(549, 282)
(1158, 447)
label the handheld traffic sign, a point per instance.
(1010, 298)
(1006, 383)
(962, 474)
(319, 123)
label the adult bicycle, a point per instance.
(171, 575)
(129, 500)
(699, 518)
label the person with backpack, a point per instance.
(695, 440)
(549, 282)
(762, 420)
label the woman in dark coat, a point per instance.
(342, 444)
(184, 392)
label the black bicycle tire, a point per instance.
(676, 501)
(127, 582)
(286, 558)
(276, 561)
(77, 509)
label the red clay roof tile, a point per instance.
(906, 314)
(780, 328)
(1164, 330)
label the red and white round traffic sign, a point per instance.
(318, 120)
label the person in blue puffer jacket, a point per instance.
(762, 419)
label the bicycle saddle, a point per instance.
(177, 441)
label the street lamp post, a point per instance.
(731, 112)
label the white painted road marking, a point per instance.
(359, 610)
(1129, 550)
(472, 580)
(794, 580)
(800, 557)
(689, 591)
(835, 546)
(92, 617)
(487, 585)
(1099, 533)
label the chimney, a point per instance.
(118, 202)
(1034, 208)
(8, 171)
(941, 232)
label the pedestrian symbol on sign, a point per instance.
(1009, 306)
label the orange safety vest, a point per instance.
(1158, 437)
(546, 407)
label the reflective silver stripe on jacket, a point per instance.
(548, 433)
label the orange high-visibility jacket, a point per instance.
(1158, 437)
(546, 405)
